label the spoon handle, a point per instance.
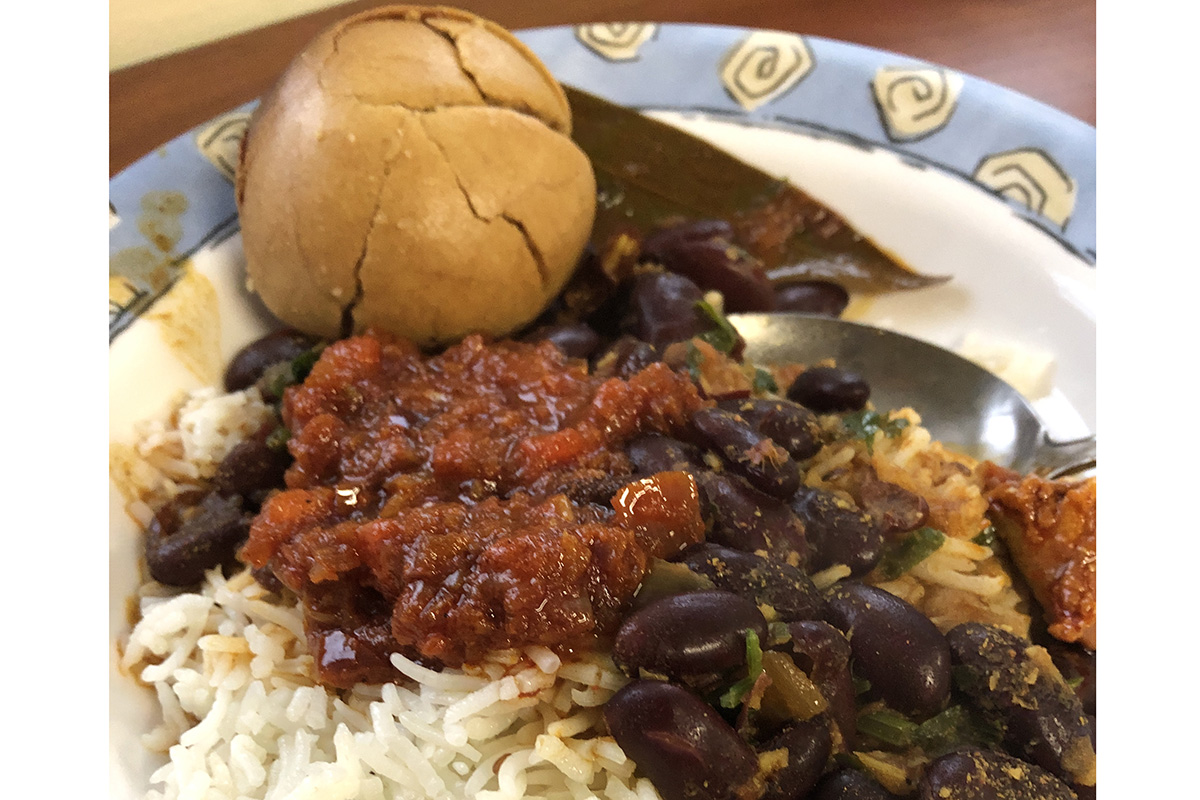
(1059, 459)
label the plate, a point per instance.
(952, 174)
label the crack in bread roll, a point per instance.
(413, 171)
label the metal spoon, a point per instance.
(960, 403)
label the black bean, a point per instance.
(1076, 663)
(987, 775)
(679, 742)
(746, 519)
(792, 430)
(896, 648)
(1016, 686)
(185, 540)
(610, 316)
(704, 251)
(824, 298)
(252, 468)
(850, 784)
(830, 389)
(249, 364)
(895, 509)
(766, 465)
(664, 308)
(768, 582)
(790, 425)
(654, 452)
(837, 532)
(655, 242)
(807, 744)
(593, 295)
(693, 634)
(574, 339)
(824, 653)
(625, 357)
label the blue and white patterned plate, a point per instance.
(952, 174)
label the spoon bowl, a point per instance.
(960, 403)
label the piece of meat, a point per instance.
(1050, 530)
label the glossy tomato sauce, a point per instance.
(474, 500)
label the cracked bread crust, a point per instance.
(412, 170)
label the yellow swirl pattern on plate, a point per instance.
(1031, 178)
(914, 103)
(220, 140)
(615, 41)
(764, 66)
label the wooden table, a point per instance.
(1043, 48)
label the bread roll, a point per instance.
(413, 171)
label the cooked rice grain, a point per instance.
(243, 718)
(178, 451)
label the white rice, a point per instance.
(243, 716)
(178, 452)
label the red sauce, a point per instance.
(456, 504)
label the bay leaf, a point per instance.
(649, 173)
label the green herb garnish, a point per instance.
(910, 551)
(778, 633)
(277, 439)
(947, 728)
(723, 336)
(694, 357)
(289, 373)
(278, 377)
(986, 537)
(764, 382)
(736, 693)
(938, 734)
(866, 423)
(964, 678)
(849, 761)
(955, 726)
(861, 685)
(303, 363)
(888, 726)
